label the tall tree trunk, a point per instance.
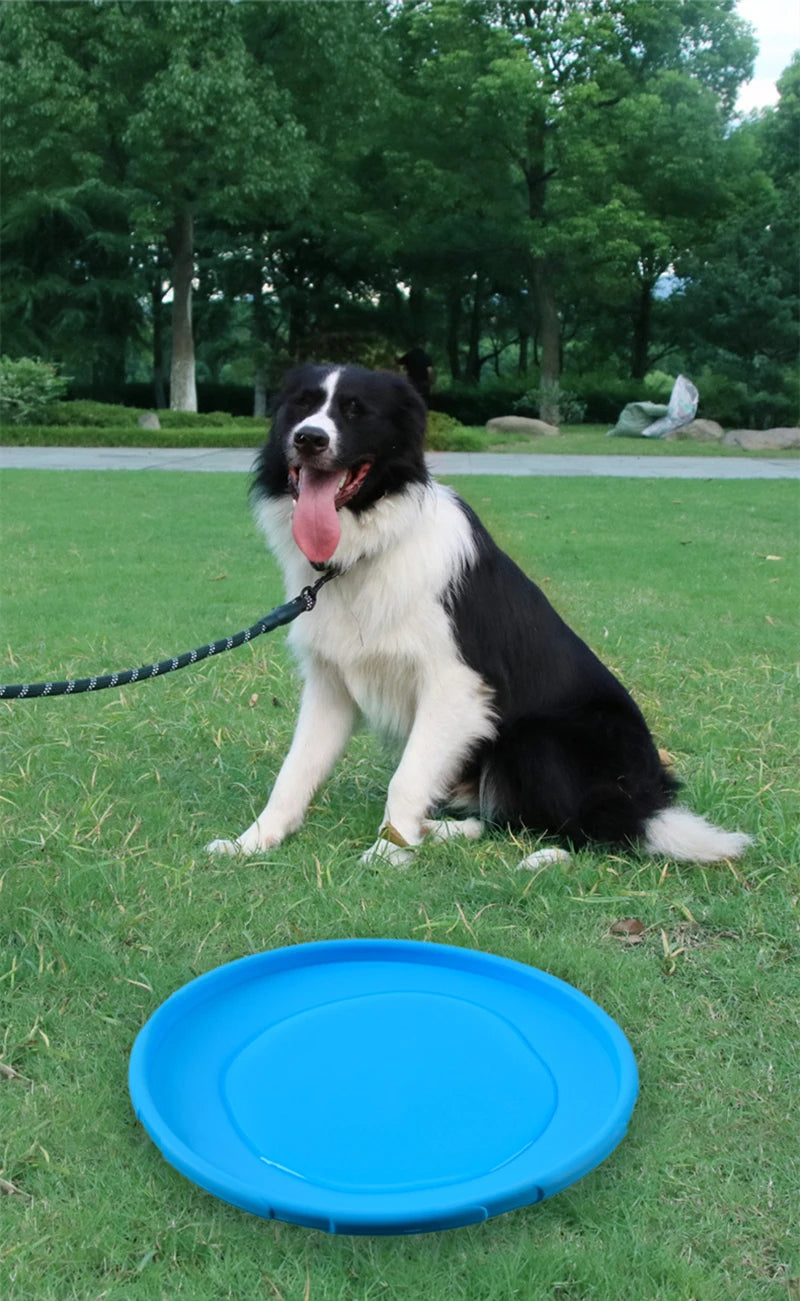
(473, 350)
(157, 306)
(183, 388)
(417, 310)
(260, 394)
(260, 336)
(548, 324)
(453, 330)
(297, 328)
(549, 334)
(641, 331)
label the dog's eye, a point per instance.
(352, 408)
(306, 402)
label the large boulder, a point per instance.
(762, 440)
(699, 431)
(525, 426)
(149, 420)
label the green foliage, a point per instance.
(605, 394)
(88, 413)
(446, 434)
(550, 396)
(525, 174)
(198, 419)
(27, 388)
(474, 405)
(741, 405)
(238, 432)
(659, 385)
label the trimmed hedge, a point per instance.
(130, 436)
(86, 412)
(185, 429)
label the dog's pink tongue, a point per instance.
(315, 522)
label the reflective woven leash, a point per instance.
(282, 614)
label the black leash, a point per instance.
(275, 619)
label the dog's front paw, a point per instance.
(223, 847)
(255, 840)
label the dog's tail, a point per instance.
(687, 837)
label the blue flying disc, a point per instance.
(382, 1086)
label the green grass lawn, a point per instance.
(108, 902)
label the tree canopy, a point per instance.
(510, 184)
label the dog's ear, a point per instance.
(412, 414)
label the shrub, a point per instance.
(659, 386)
(93, 415)
(27, 387)
(571, 409)
(737, 404)
(474, 405)
(129, 436)
(596, 397)
(188, 419)
(89, 414)
(446, 434)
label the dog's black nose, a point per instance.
(309, 439)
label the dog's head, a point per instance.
(342, 438)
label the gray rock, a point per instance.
(762, 440)
(526, 426)
(149, 420)
(699, 431)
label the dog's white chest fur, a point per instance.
(380, 626)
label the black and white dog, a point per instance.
(431, 633)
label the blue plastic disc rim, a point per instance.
(267, 1081)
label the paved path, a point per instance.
(238, 461)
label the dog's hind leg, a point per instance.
(391, 848)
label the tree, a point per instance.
(66, 243)
(532, 82)
(481, 175)
(212, 135)
(449, 217)
(738, 307)
(186, 126)
(673, 177)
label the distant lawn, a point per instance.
(108, 902)
(584, 440)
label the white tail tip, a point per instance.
(686, 836)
